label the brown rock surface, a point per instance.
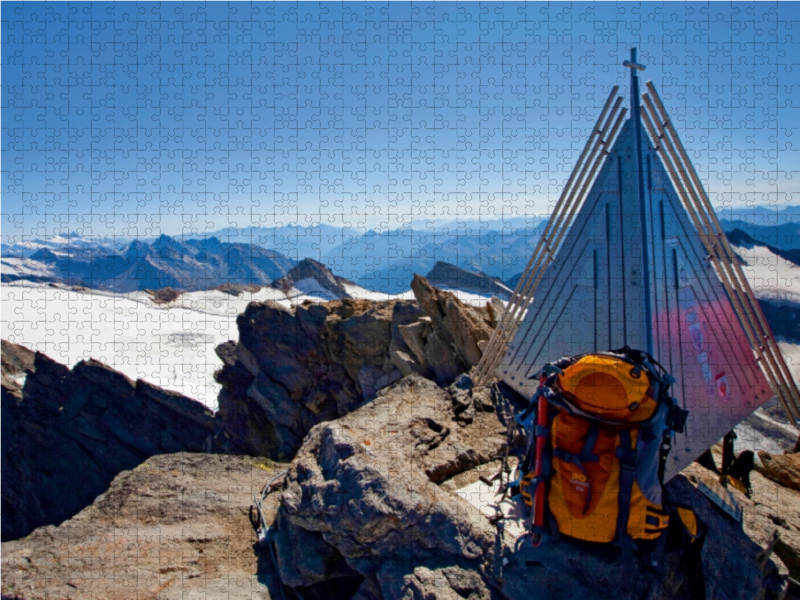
(457, 324)
(785, 469)
(771, 509)
(294, 368)
(175, 527)
(366, 484)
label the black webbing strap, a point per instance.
(627, 456)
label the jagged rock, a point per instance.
(495, 309)
(311, 276)
(347, 485)
(458, 325)
(67, 433)
(406, 365)
(294, 368)
(446, 583)
(175, 527)
(443, 360)
(366, 487)
(415, 335)
(445, 275)
(785, 469)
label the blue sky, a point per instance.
(142, 118)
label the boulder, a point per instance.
(374, 489)
(369, 500)
(177, 526)
(67, 433)
(785, 469)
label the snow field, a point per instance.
(170, 345)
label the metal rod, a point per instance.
(691, 201)
(512, 315)
(739, 276)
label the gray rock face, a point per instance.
(67, 433)
(294, 368)
(365, 483)
(372, 490)
(461, 327)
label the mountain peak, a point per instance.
(306, 273)
(446, 275)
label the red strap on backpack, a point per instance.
(539, 496)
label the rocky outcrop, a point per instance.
(364, 487)
(311, 276)
(177, 526)
(445, 275)
(67, 433)
(369, 493)
(293, 368)
(457, 328)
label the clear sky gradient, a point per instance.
(142, 118)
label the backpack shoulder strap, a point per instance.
(627, 455)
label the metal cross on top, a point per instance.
(634, 66)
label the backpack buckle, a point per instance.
(676, 418)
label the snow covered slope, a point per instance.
(170, 345)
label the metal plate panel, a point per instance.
(592, 298)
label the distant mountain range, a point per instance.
(195, 264)
(386, 261)
(383, 261)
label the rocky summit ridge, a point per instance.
(381, 440)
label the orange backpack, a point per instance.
(599, 429)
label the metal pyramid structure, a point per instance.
(633, 255)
